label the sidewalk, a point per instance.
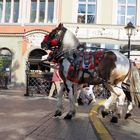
(123, 130)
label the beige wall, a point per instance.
(66, 12)
(18, 62)
(138, 11)
(106, 11)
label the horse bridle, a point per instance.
(57, 50)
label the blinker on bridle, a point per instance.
(53, 42)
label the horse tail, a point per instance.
(135, 85)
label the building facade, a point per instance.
(23, 24)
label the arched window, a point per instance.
(5, 59)
(5, 67)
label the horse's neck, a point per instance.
(70, 41)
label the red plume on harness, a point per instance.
(54, 42)
(46, 38)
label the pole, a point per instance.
(27, 79)
(129, 47)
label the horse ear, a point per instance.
(60, 26)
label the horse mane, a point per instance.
(70, 41)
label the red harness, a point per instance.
(88, 62)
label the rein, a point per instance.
(65, 54)
(50, 66)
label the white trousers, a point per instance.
(55, 85)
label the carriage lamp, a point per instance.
(129, 31)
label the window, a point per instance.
(50, 11)
(86, 11)
(126, 12)
(33, 10)
(7, 10)
(1, 7)
(38, 11)
(40, 8)
(5, 67)
(42, 11)
(16, 11)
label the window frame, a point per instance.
(85, 15)
(46, 8)
(127, 17)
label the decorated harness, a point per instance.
(83, 60)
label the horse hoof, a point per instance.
(114, 119)
(119, 116)
(57, 113)
(127, 115)
(68, 117)
(79, 100)
(104, 113)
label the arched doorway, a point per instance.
(5, 67)
(35, 57)
(38, 76)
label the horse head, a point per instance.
(53, 40)
(60, 37)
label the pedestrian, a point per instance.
(86, 95)
(56, 83)
(90, 94)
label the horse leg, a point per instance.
(115, 92)
(58, 112)
(119, 105)
(119, 109)
(106, 105)
(72, 100)
(129, 104)
(126, 89)
(129, 109)
(76, 94)
(78, 99)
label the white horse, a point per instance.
(110, 68)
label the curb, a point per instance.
(100, 130)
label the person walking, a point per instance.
(56, 83)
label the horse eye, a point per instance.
(53, 34)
